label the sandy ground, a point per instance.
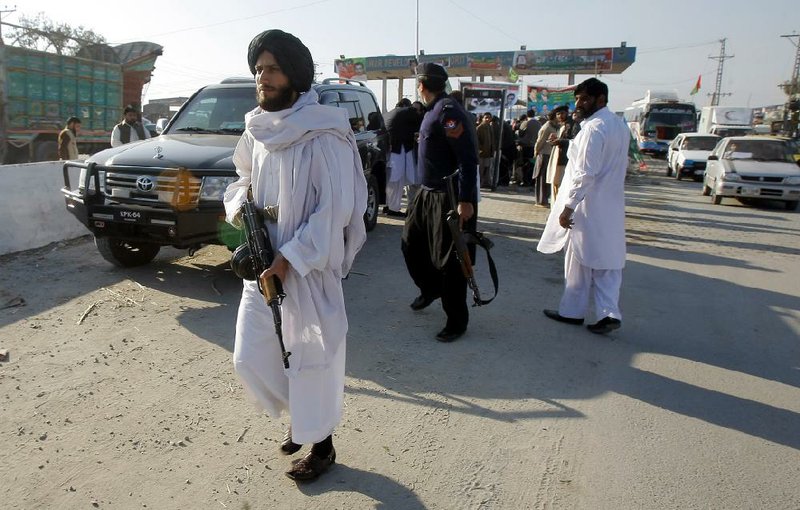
(119, 391)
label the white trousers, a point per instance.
(313, 398)
(582, 282)
(401, 172)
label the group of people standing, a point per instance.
(300, 158)
(130, 129)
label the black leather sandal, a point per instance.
(288, 446)
(310, 467)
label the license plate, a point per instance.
(129, 216)
(698, 172)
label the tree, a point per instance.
(790, 87)
(41, 33)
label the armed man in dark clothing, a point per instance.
(446, 144)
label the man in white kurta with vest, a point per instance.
(129, 130)
(301, 157)
(588, 217)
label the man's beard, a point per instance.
(284, 100)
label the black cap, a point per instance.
(431, 70)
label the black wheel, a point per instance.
(678, 174)
(715, 199)
(706, 189)
(669, 170)
(124, 253)
(46, 151)
(791, 205)
(371, 214)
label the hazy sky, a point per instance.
(206, 40)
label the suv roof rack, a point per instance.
(237, 79)
(328, 81)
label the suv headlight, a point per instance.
(213, 188)
(731, 176)
(82, 179)
(793, 180)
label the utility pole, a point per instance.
(795, 88)
(790, 113)
(718, 88)
(416, 55)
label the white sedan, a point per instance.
(687, 155)
(750, 167)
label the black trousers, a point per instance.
(430, 259)
(540, 187)
(527, 169)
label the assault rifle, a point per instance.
(262, 255)
(460, 241)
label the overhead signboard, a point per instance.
(563, 61)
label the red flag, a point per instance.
(696, 86)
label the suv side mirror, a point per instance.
(713, 157)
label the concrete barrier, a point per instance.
(32, 210)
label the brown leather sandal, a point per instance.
(288, 446)
(310, 467)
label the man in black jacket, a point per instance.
(446, 144)
(401, 123)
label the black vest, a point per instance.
(125, 131)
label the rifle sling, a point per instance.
(479, 239)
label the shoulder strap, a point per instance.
(484, 242)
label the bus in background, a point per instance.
(657, 119)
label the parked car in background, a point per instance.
(753, 167)
(688, 153)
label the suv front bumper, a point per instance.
(144, 223)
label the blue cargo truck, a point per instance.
(41, 90)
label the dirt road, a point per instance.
(119, 391)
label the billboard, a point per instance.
(351, 68)
(544, 99)
(493, 63)
(589, 60)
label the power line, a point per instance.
(245, 18)
(483, 19)
(670, 48)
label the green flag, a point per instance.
(512, 75)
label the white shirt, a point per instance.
(594, 187)
(116, 141)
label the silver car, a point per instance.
(752, 167)
(687, 155)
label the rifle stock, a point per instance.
(460, 243)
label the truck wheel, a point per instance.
(371, 214)
(715, 199)
(791, 205)
(124, 253)
(669, 170)
(678, 172)
(46, 151)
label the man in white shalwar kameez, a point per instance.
(588, 217)
(301, 157)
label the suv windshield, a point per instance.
(760, 150)
(216, 110)
(700, 143)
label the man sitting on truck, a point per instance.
(129, 130)
(67, 139)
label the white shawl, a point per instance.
(305, 160)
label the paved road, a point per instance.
(694, 403)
